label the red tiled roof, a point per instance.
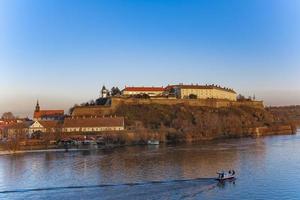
(42, 113)
(94, 122)
(49, 124)
(142, 89)
(7, 121)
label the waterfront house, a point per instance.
(3, 130)
(40, 126)
(17, 130)
(92, 124)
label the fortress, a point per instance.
(190, 95)
(182, 91)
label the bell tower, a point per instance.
(104, 92)
(37, 107)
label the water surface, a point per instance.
(267, 168)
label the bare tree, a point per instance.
(115, 91)
(241, 97)
(8, 115)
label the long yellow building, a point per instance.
(203, 92)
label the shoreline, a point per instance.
(6, 152)
(9, 152)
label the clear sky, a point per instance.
(62, 51)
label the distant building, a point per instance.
(5, 122)
(151, 91)
(44, 127)
(17, 130)
(2, 131)
(47, 114)
(201, 92)
(93, 124)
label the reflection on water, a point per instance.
(164, 172)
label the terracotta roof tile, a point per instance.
(49, 124)
(44, 113)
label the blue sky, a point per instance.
(62, 51)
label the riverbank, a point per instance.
(5, 152)
(142, 141)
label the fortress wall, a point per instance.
(255, 104)
(216, 103)
(92, 111)
(115, 102)
(191, 102)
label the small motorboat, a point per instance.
(223, 175)
(153, 142)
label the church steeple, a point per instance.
(104, 92)
(37, 107)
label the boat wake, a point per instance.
(199, 180)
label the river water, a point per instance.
(267, 168)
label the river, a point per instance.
(267, 168)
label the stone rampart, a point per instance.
(115, 102)
(81, 111)
(216, 103)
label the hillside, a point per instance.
(188, 123)
(286, 113)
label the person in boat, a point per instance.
(232, 172)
